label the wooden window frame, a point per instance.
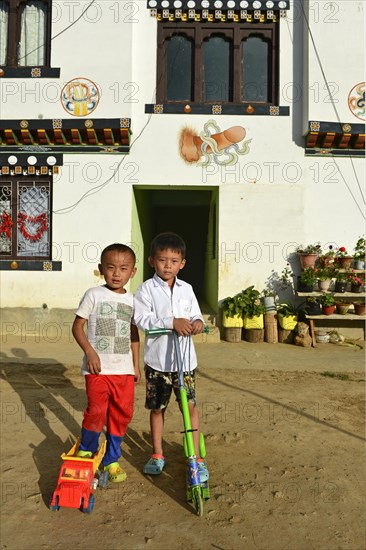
(14, 28)
(14, 181)
(237, 32)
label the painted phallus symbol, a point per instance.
(221, 147)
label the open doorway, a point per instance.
(190, 212)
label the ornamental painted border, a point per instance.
(30, 265)
(219, 4)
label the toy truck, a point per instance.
(77, 482)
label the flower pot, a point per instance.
(287, 322)
(257, 321)
(232, 334)
(359, 264)
(313, 308)
(269, 303)
(232, 322)
(321, 337)
(356, 288)
(328, 310)
(324, 284)
(345, 262)
(342, 308)
(359, 308)
(340, 286)
(302, 287)
(307, 260)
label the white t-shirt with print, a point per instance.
(109, 317)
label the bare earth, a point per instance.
(285, 450)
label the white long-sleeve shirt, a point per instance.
(156, 305)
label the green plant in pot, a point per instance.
(343, 258)
(312, 306)
(357, 281)
(328, 304)
(232, 314)
(324, 275)
(252, 308)
(341, 280)
(269, 299)
(342, 306)
(287, 315)
(307, 279)
(359, 253)
(308, 254)
(328, 258)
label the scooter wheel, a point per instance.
(197, 500)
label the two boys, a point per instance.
(163, 301)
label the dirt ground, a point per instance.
(285, 450)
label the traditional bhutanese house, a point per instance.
(235, 123)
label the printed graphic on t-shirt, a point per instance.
(112, 329)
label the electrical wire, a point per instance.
(61, 32)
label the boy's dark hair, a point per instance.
(168, 240)
(118, 247)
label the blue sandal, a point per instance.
(154, 465)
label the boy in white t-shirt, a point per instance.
(111, 360)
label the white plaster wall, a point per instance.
(338, 35)
(96, 47)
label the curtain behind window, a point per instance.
(32, 47)
(4, 18)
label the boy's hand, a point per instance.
(137, 375)
(182, 326)
(197, 326)
(93, 362)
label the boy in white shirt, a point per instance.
(167, 302)
(111, 360)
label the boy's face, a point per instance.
(167, 264)
(117, 268)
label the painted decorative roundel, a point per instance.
(80, 97)
(356, 100)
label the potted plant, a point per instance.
(357, 281)
(359, 307)
(328, 304)
(312, 306)
(305, 281)
(269, 297)
(308, 254)
(341, 280)
(344, 260)
(359, 253)
(328, 258)
(287, 315)
(232, 319)
(324, 275)
(342, 306)
(252, 308)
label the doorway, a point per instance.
(192, 214)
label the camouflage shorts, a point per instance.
(159, 386)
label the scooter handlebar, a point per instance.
(158, 331)
(161, 331)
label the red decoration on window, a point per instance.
(6, 224)
(41, 219)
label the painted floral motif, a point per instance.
(356, 101)
(80, 97)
